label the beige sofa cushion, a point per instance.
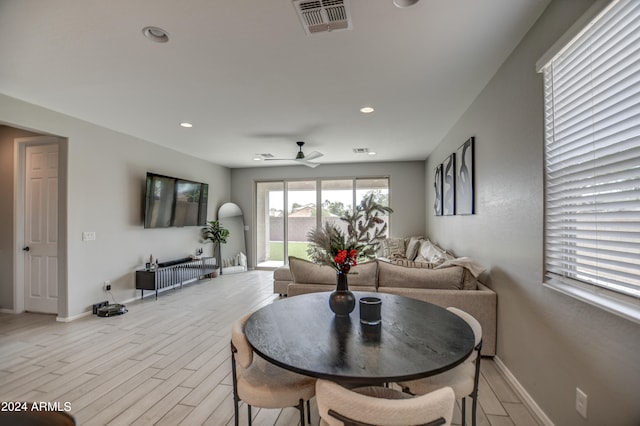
(453, 278)
(305, 272)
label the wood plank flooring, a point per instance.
(166, 362)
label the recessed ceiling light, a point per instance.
(404, 3)
(156, 34)
(257, 158)
(366, 110)
(185, 124)
(372, 153)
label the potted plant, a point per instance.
(216, 234)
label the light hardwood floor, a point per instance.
(166, 362)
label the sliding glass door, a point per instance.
(287, 210)
(337, 198)
(270, 224)
(302, 215)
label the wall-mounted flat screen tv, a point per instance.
(171, 201)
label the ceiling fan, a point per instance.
(301, 158)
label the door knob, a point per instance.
(26, 248)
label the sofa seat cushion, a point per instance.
(452, 278)
(305, 272)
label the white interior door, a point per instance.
(41, 228)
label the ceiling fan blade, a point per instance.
(312, 155)
(308, 164)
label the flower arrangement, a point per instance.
(331, 246)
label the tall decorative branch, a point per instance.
(365, 229)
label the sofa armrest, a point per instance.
(281, 278)
(481, 304)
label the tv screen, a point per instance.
(159, 201)
(172, 201)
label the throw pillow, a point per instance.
(306, 272)
(392, 248)
(428, 252)
(390, 275)
(412, 247)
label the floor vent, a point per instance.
(321, 16)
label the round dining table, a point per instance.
(415, 339)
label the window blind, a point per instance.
(592, 154)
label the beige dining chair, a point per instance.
(463, 379)
(382, 406)
(260, 383)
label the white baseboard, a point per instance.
(522, 393)
(133, 299)
(74, 317)
(7, 311)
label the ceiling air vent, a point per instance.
(319, 16)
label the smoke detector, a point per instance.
(320, 16)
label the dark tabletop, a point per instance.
(416, 339)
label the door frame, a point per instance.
(20, 148)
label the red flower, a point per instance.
(345, 259)
(341, 257)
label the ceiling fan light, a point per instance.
(300, 156)
(404, 3)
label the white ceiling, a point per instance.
(251, 81)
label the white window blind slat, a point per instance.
(592, 155)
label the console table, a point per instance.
(168, 274)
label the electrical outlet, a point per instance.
(581, 402)
(107, 285)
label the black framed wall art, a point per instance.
(465, 185)
(449, 185)
(437, 186)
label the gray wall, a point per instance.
(405, 179)
(105, 188)
(550, 342)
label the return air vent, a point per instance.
(319, 16)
